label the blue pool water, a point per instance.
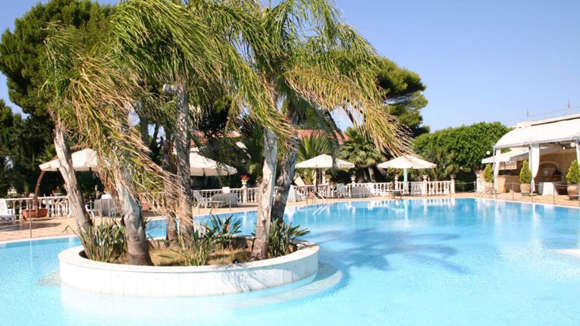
(436, 262)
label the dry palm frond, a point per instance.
(95, 96)
(335, 68)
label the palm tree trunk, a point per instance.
(182, 145)
(287, 170)
(138, 247)
(266, 195)
(75, 197)
(167, 164)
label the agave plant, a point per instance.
(195, 247)
(222, 230)
(105, 241)
(282, 236)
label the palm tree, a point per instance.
(312, 146)
(361, 151)
(87, 85)
(161, 42)
(75, 197)
(315, 58)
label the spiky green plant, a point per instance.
(573, 175)
(488, 173)
(282, 236)
(194, 247)
(222, 230)
(525, 173)
(105, 241)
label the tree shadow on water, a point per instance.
(372, 248)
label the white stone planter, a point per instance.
(116, 279)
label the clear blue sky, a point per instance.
(481, 60)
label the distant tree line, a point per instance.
(27, 139)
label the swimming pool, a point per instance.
(419, 262)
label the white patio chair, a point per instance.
(7, 215)
(341, 191)
(204, 202)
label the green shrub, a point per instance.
(104, 242)
(195, 247)
(488, 173)
(573, 175)
(222, 230)
(525, 173)
(282, 235)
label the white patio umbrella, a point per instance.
(406, 162)
(84, 160)
(202, 166)
(324, 161)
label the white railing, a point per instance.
(54, 205)
(59, 205)
(425, 188)
(438, 188)
(245, 195)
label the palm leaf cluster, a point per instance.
(359, 150)
(274, 65)
(94, 95)
(154, 43)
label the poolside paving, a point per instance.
(62, 226)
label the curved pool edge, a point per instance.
(166, 281)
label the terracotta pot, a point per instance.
(525, 188)
(34, 213)
(573, 191)
(489, 187)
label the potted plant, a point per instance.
(488, 178)
(573, 178)
(34, 213)
(525, 179)
(244, 178)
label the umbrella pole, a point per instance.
(316, 180)
(405, 184)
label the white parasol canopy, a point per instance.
(84, 160)
(202, 166)
(406, 162)
(324, 161)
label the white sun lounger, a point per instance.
(7, 215)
